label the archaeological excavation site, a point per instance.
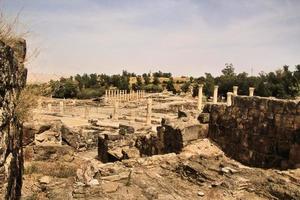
(202, 133)
(131, 144)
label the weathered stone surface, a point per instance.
(86, 173)
(45, 180)
(177, 133)
(149, 144)
(171, 136)
(203, 118)
(130, 153)
(12, 80)
(257, 131)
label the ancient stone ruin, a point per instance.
(138, 145)
(12, 80)
(257, 131)
(163, 146)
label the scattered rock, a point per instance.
(110, 187)
(93, 182)
(45, 180)
(201, 194)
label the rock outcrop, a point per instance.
(12, 81)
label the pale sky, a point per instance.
(184, 37)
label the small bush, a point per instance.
(153, 88)
(25, 104)
(89, 93)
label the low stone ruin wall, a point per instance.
(130, 142)
(171, 136)
(257, 131)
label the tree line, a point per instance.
(282, 83)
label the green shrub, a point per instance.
(89, 93)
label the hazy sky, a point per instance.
(185, 37)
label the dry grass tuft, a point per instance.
(25, 105)
(8, 29)
(56, 169)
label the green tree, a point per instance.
(146, 78)
(156, 81)
(139, 83)
(170, 86)
(209, 84)
(185, 87)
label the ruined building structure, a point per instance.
(258, 131)
(12, 80)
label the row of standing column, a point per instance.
(124, 95)
(215, 95)
(115, 114)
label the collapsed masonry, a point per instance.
(260, 132)
(12, 81)
(171, 136)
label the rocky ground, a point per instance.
(62, 156)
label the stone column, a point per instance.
(149, 111)
(215, 98)
(106, 99)
(133, 95)
(229, 101)
(115, 111)
(200, 90)
(235, 90)
(61, 107)
(113, 94)
(125, 95)
(251, 91)
(49, 107)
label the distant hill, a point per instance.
(42, 77)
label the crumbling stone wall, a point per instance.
(12, 80)
(172, 136)
(257, 131)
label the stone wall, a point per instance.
(172, 136)
(257, 131)
(12, 80)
